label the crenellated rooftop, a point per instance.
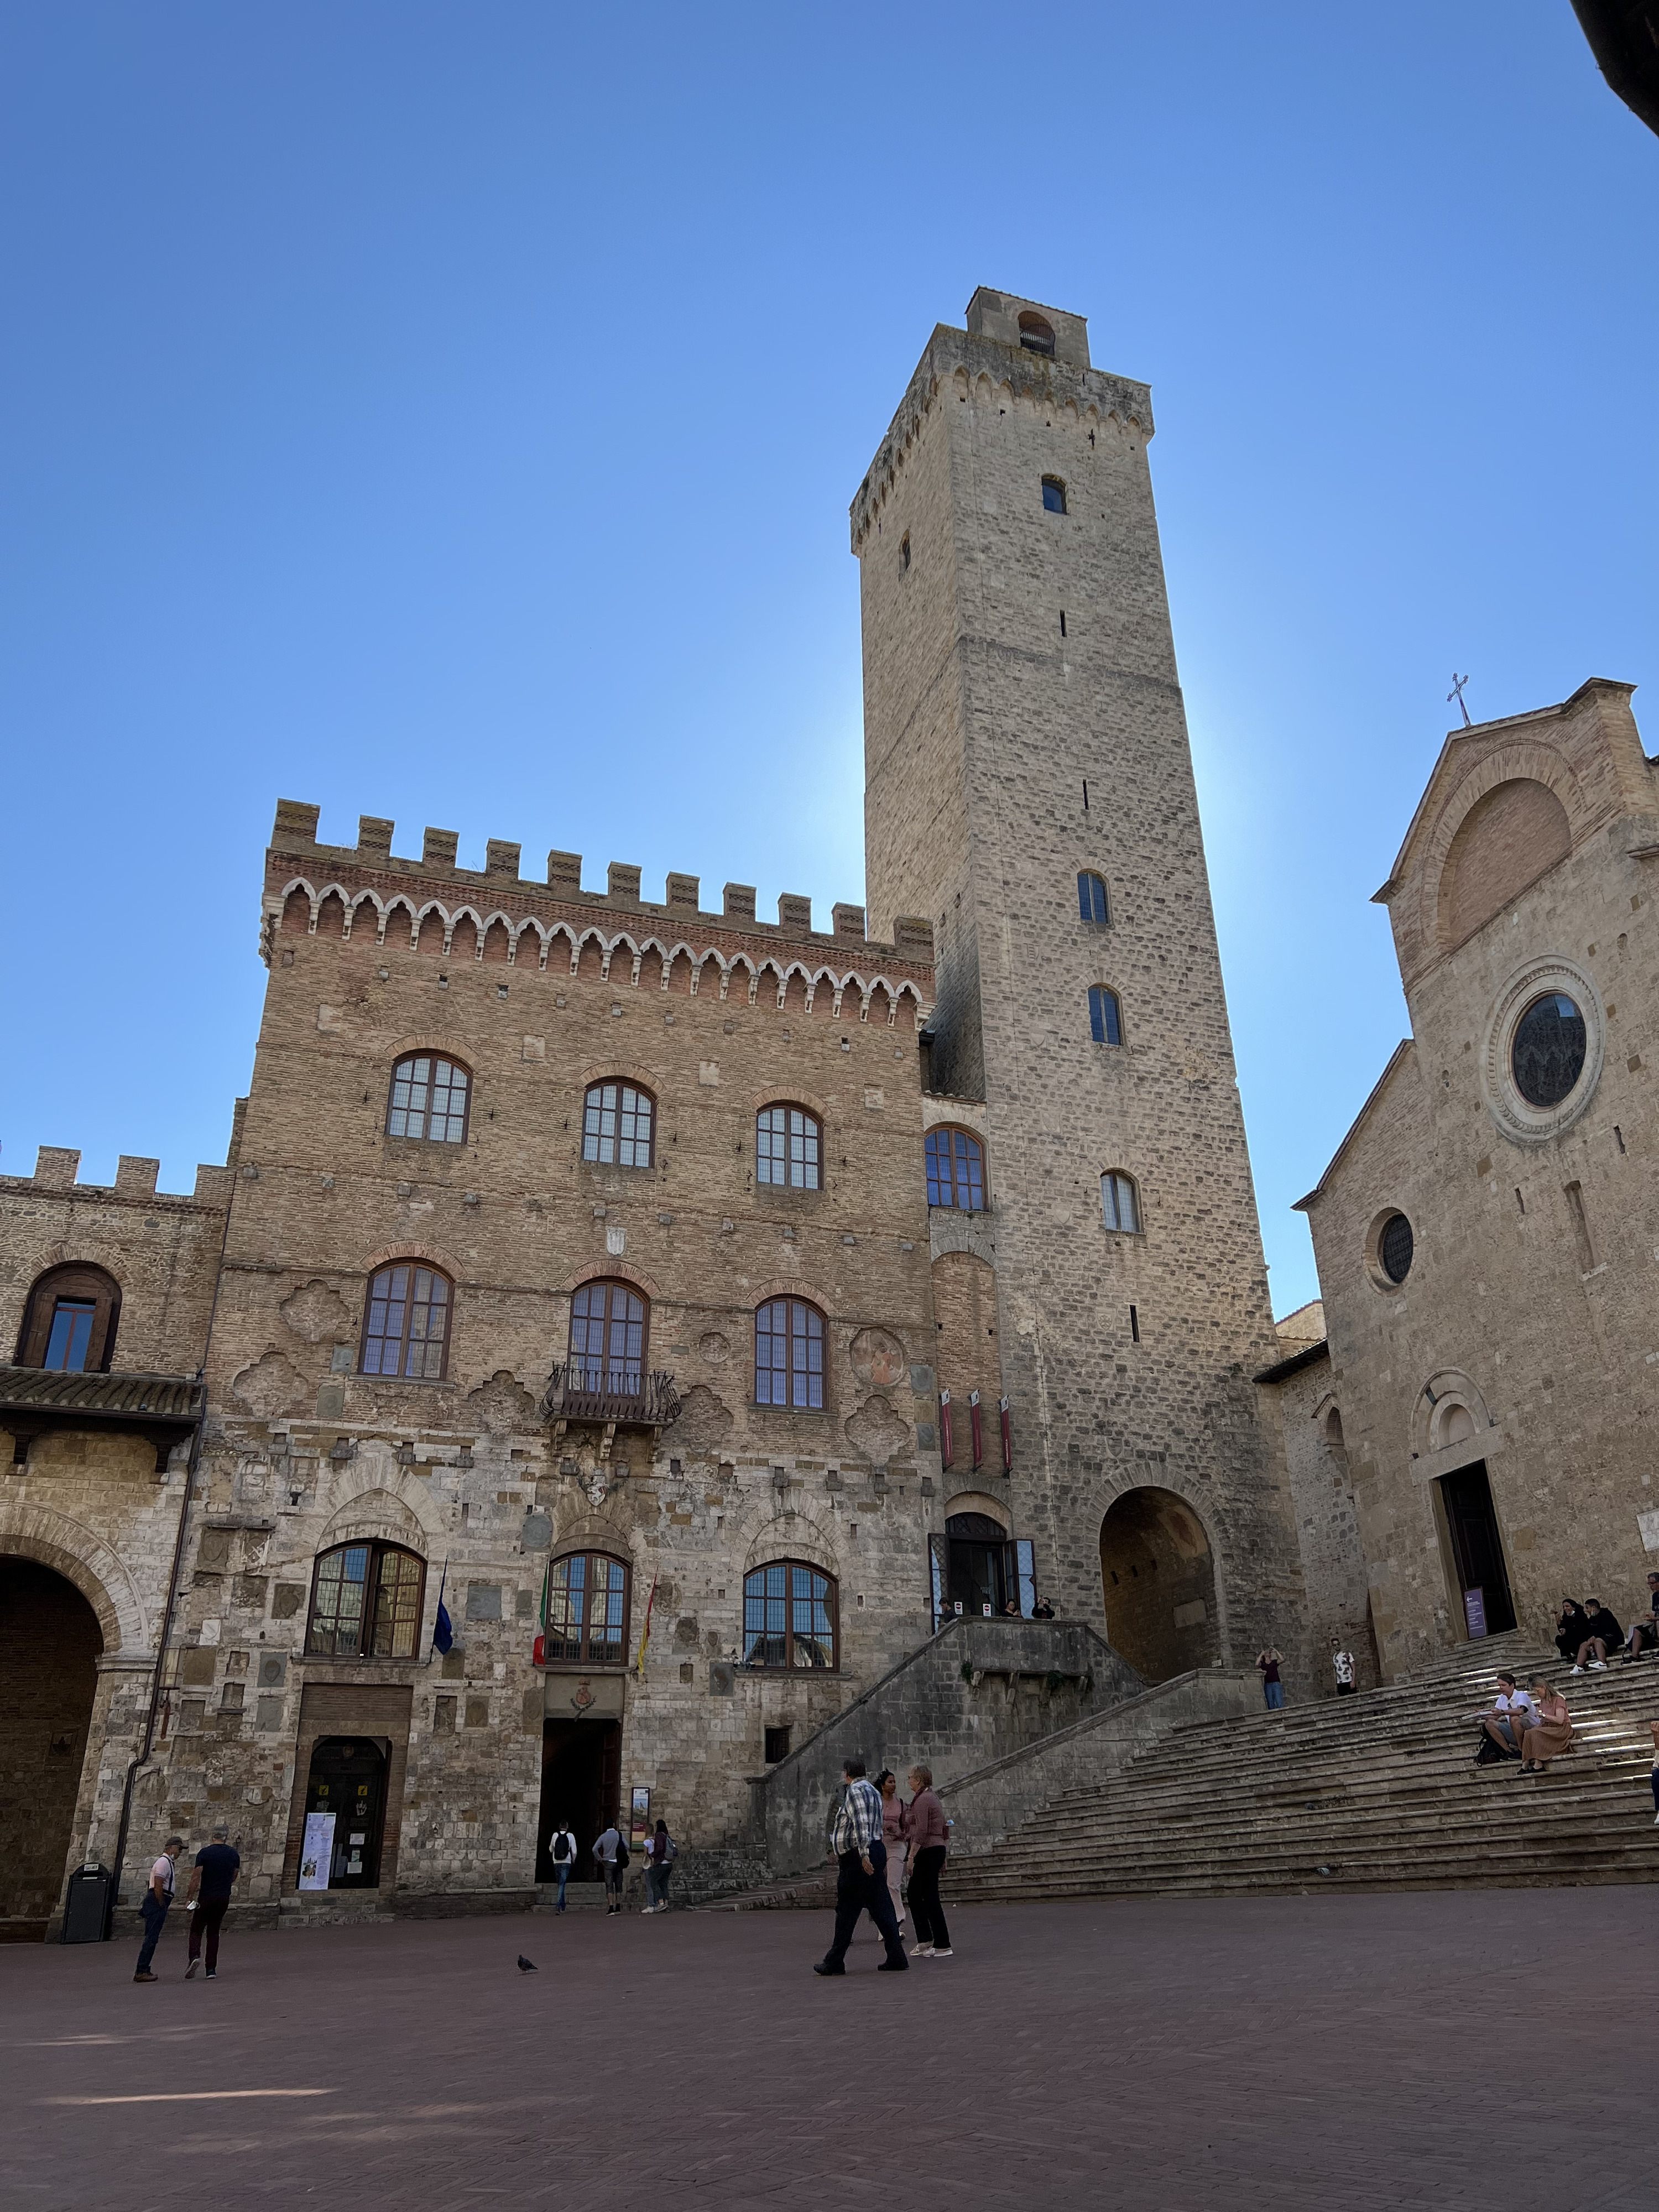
(57, 1166)
(370, 873)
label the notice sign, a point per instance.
(317, 1854)
(639, 1816)
(1474, 1612)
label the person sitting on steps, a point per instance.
(1644, 1634)
(1570, 1628)
(1510, 1717)
(1601, 1634)
(1552, 1732)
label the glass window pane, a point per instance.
(71, 1334)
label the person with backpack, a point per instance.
(610, 1853)
(562, 1850)
(660, 1853)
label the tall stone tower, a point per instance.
(1030, 786)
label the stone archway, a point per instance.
(1157, 1575)
(50, 1644)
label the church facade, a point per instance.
(624, 1328)
(1487, 1233)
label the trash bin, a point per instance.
(86, 1909)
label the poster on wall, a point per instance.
(1474, 1612)
(639, 1817)
(317, 1853)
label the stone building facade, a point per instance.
(1028, 789)
(699, 1308)
(1488, 1232)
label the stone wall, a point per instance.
(1024, 722)
(1521, 1336)
(978, 1689)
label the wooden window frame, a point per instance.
(1089, 877)
(378, 1553)
(1114, 1175)
(621, 1086)
(584, 1657)
(76, 1282)
(787, 1665)
(399, 1373)
(424, 1137)
(1108, 1021)
(792, 1305)
(788, 1106)
(579, 1361)
(961, 1174)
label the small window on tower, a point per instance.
(1036, 334)
(1092, 897)
(904, 550)
(1105, 1019)
(1053, 496)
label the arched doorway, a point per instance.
(1158, 1579)
(50, 1642)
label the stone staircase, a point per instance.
(1376, 1791)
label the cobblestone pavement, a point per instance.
(1461, 2049)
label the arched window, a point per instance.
(1105, 1021)
(70, 1319)
(788, 1144)
(1120, 1203)
(956, 1169)
(1037, 333)
(1092, 897)
(791, 1616)
(617, 1125)
(1054, 495)
(366, 1603)
(406, 1322)
(429, 1098)
(587, 1611)
(789, 1354)
(607, 1340)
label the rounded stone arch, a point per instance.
(583, 1527)
(791, 1536)
(1160, 1583)
(374, 1484)
(1529, 763)
(1449, 1410)
(52, 1539)
(378, 1515)
(977, 1501)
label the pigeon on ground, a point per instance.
(525, 1965)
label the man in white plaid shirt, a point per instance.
(861, 1883)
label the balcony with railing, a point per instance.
(610, 1395)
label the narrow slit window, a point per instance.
(1134, 1325)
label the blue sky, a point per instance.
(451, 413)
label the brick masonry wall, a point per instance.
(982, 722)
(1531, 1313)
(467, 1472)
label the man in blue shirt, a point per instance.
(862, 1882)
(208, 1897)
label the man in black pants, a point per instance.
(861, 1883)
(211, 1880)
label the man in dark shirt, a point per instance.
(208, 1895)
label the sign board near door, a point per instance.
(1474, 1612)
(317, 1853)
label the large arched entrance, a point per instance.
(1158, 1577)
(49, 1645)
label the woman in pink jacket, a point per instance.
(925, 1831)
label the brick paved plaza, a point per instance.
(1275, 2053)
